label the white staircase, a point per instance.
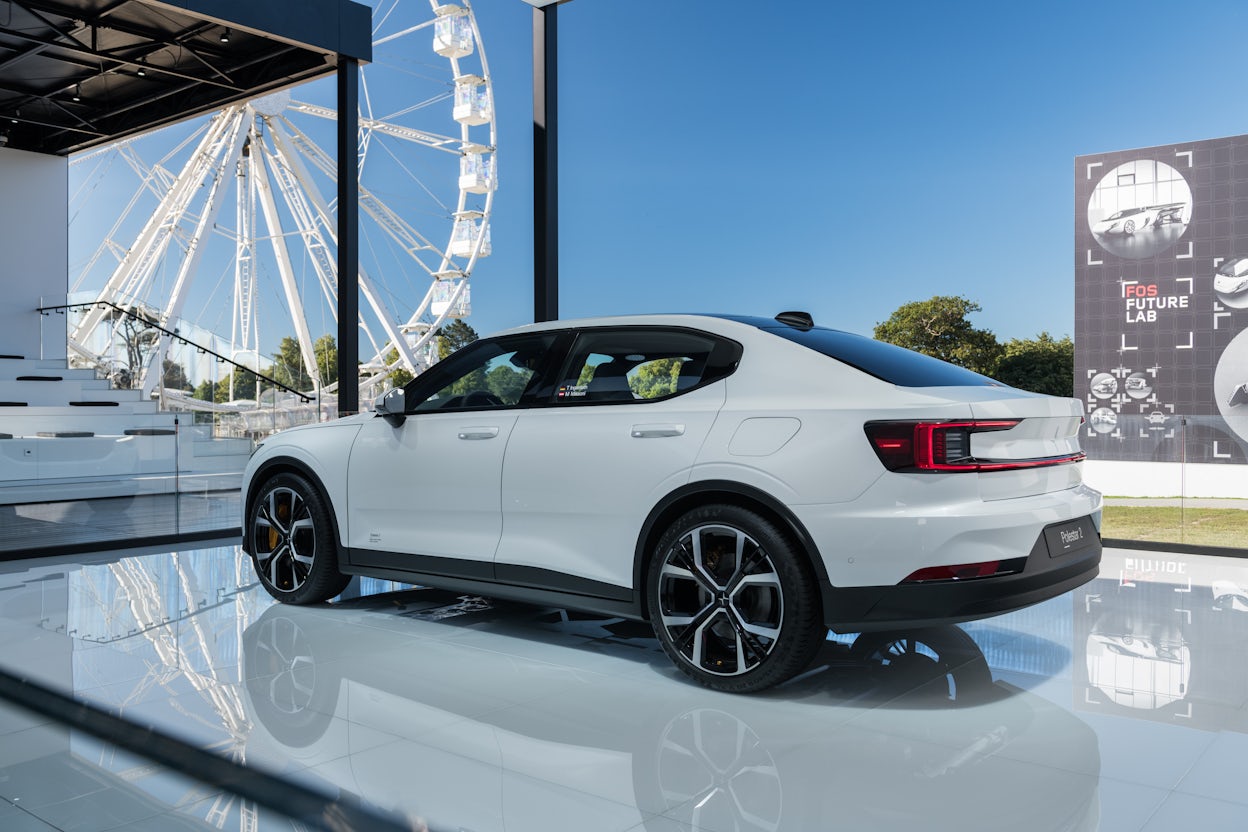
(64, 434)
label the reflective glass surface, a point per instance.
(1121, 706)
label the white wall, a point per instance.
(34, 251)
(1166, 479)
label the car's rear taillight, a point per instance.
(945, 447)
(966, 571)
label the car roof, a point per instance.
(725, 324)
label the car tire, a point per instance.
(292, 541)
(733, 602)
(1128, 227)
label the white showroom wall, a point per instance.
(1166, 479)
(34, 250)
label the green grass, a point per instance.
(1172, 524)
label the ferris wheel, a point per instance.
(243, 236)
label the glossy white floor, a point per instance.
(1122, 706)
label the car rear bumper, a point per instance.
(866, 608)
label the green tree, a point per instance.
(939, 327)
(288, 362)
(174, 376)
(399, 376)
(1042, 365)
(454, 335)
(655, 378)
(471, 383)
(507, 383)
(288, 366)
(325, 349)
(204, 391)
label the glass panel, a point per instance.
(626, 365)
(491, 374)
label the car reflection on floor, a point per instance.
(483, 716)
(898, 731)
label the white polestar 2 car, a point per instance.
(744, 484)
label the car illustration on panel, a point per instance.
(744, 484)
(1231, 278)
(1106, 387)
(1168, 214)
(1130, 220)
(1157, 418)
(1104, 416)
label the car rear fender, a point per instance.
(705, 492)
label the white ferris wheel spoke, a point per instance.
(253, 153)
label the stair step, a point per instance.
(27, 421)
(35, 366)
(221, 447)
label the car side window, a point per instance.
(634, 365)
(487, 374)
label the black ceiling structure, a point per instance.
(79, 73)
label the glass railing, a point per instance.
(96, 425)
(1170, 479)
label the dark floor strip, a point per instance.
(232, 534)
(316, 810)
(1181, 548)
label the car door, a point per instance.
(623, 428)
(423, 491)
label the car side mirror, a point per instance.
(391, 406)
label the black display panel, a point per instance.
(1161, 302)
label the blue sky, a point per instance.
(842, 158)
(718, 155)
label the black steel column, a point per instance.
(545, 165)
(348, 237)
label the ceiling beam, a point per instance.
(116, 59)
(127, 28)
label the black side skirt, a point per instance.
(527, 584)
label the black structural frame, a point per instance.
(348, 237)
(545, 160)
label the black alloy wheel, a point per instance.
(732, 601)
(292, 542)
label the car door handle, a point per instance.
(655, 431)
(478, 433)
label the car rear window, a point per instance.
(890, 363)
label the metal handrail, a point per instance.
(45, 310)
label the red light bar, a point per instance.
(944, 447)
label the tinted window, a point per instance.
(884, 361)
(482, 375)
(639, 364)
